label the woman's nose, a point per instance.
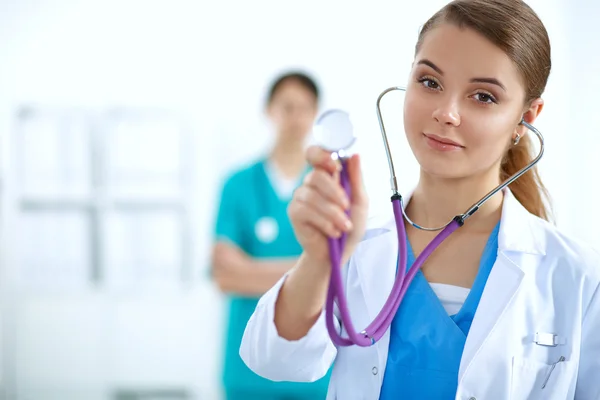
(447, 114)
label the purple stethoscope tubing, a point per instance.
(335, 294)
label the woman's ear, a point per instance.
(530, 115)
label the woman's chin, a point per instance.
(442, 170)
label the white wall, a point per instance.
(581, 134)
(213, 61)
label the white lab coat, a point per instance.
(542, 282)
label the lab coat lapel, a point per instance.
(518, 250)
(503, 282)
(376, 261)
(377, 258)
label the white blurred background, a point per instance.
(118, 120)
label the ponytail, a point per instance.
(528, 189)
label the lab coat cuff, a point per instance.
(278, 359)
(269, 301)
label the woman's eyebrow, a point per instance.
(437, 69)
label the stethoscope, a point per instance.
(334, 132)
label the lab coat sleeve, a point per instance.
(588, 381)
(273, 357)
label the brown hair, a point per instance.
(516, 29)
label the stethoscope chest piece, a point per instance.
(334, 132)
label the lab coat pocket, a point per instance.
(529, 376)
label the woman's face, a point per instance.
(463, 103)
(293, 110)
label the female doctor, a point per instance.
(508, 307)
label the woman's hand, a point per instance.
(317, 210)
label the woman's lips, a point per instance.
(442, 144)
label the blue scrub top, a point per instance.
(253, 217)
(426, 344)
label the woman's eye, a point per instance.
(429, 83)
(485, 98)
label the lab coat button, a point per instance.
(374, 370)
(472, 398)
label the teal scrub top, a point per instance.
(426, 344)
(253, 217)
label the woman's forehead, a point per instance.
(465, 52)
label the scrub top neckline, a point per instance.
(272, 174)
(472, 300)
